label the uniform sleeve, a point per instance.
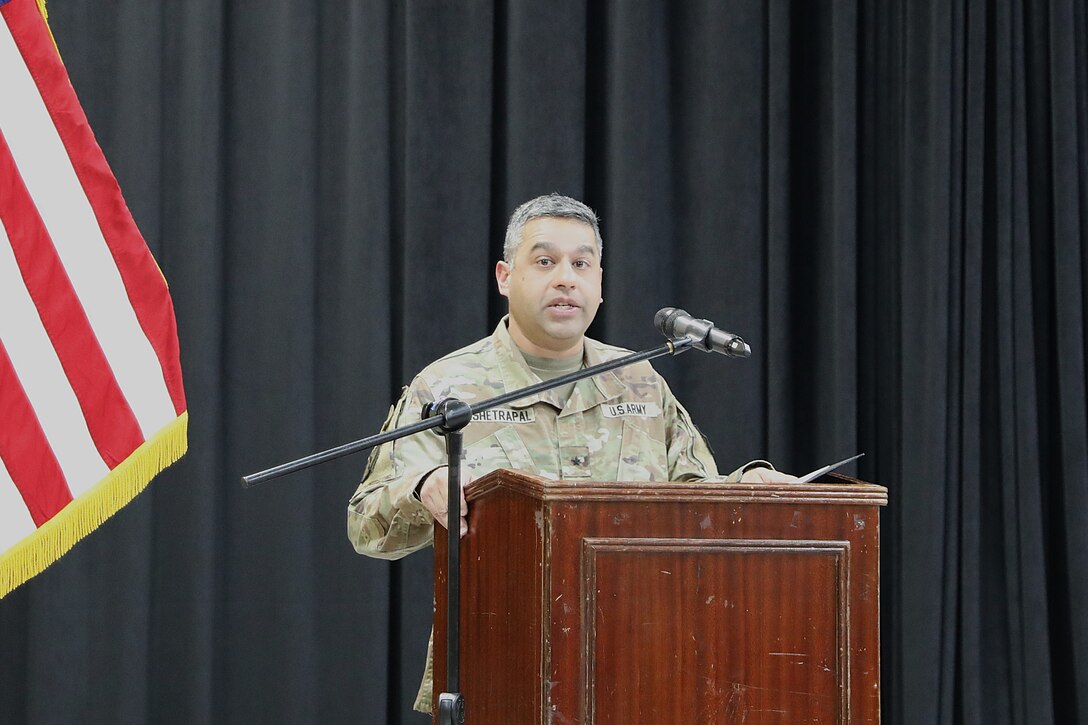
(690, 457)
(385, 517)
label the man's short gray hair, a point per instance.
(552, 206)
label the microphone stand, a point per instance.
(450, 416)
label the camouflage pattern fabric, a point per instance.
(622, 425)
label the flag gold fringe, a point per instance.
(83, 515)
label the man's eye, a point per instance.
(582, 264)
(544, 262)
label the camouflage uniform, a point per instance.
(622, 425)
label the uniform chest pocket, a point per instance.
(502, 448)
(643, 453)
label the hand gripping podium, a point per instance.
(613, 602)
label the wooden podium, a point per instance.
(666, 602)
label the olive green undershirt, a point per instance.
(550, 368)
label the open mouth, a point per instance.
(562, 304)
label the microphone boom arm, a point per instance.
(672, 347)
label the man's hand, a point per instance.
(766, 475)
(433, 495)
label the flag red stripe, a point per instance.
(26, 452)
(144, 283)
(110, 420)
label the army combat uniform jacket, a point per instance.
(622, 425)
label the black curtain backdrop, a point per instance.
(887, 198)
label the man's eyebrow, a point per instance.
(550, 247)
(545, 246)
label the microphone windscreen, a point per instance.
(665, 320)
(660, 317)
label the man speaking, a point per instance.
(622, 425)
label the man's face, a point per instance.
(554, 286)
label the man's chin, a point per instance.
(568, 331)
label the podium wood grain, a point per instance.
(667, 602)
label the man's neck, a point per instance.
(528, 347)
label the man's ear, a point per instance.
(502, 276)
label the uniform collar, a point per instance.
(587, 393)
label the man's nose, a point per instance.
(564, 274)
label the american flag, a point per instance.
(91, 397)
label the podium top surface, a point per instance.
(831, 489)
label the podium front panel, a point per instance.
(692, 630)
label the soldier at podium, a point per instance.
(622, 425)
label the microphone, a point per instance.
(674, 323)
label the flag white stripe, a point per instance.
(48, 174)
(39, 370)
(15, 521)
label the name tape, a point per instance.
(504, 415)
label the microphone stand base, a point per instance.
(451, 709)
